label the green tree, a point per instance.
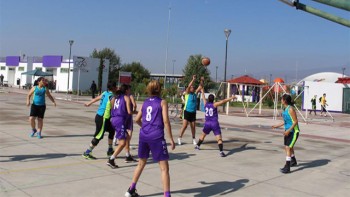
(114, 63)
(138, 72)
(194, 67)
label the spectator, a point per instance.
(93, 88)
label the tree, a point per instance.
(114, 63)
(138, 72)
(194, 67)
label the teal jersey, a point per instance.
(288, 120)
(190, 102)
(39, 95)
(105, 104)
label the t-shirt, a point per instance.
(211, 112)
(119, 108)
(190, 102)
(152, 120)
(288, 120)
(39, 95)
(105, 104)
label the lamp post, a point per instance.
(343, 71)
(70, 53)
(216, 74)
(227, 34)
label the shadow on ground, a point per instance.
(219, 188)
(28, 158)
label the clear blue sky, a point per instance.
(268, 37)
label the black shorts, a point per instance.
(323, 108)
(37, 111)
(103, 125)
(291, 139)
(190, 116)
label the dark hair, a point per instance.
(211, 98)
(124, 88)
(111, 85)
(288, 99)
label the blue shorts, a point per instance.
(158, 149)
(212, 126)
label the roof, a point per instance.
(37, 72)
(245, 79)
(330, 77)
(344, 80)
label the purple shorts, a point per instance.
(119, 127)
(212, 126)
(158, 149)
(129, 123)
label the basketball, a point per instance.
(205, 61)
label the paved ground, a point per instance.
(53, 166)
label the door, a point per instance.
(346, 100)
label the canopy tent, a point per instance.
(37, 72)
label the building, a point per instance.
(83, 70)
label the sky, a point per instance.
(268, 37)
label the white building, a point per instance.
(337, 94)
(83, 71)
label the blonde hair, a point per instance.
(153, 88)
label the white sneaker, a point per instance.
(179, 141)
(194, 142)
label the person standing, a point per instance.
(130, 126)
(93, 89)
(313, 105)
(119, 114)
(323, 105)
(212, 120)
(189, 114)
(1, 79)
(152, 118)
(102, 121)
(38, 107)
(291, 132)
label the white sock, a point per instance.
(288, 158)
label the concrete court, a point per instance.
(53, 166)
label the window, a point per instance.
(64, 70)
(39, 68)
(20, 68)
(2, 68)
(11, 68)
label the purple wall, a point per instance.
(52, 61)
(12, 60)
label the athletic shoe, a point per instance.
(194, 141)
(222, 154)
(130, 159)
(110, 152)
(179, 141)
(285, 169)
(111, 163)
(197, 147)
(293, 162)
(32, 133)
(131, 193)
(39, 135)
(88, 156)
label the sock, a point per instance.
(112, 157)
(167, 194)
(292, 156)
(133, 186)
(221, 147)
(89, 150)
(199, 142)
(34, 130)
(110, 146)
(127, 154)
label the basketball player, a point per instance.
(291, 132)
(152, 118)
(212, 120)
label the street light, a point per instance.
(343, 71)
(227, 34)
(216, 74)
(70, 53)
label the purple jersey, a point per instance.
(211, 112)
(152, 120)
(119, 109)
